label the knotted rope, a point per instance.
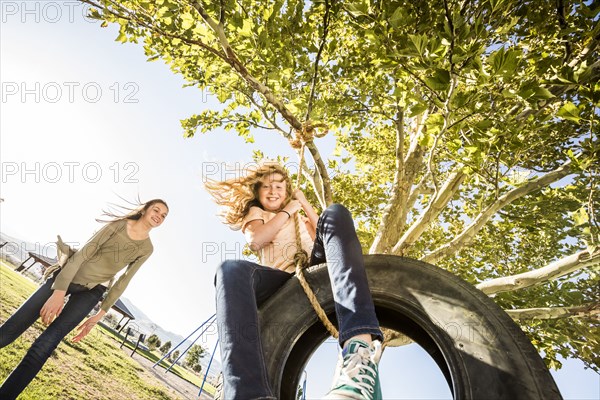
(302, 137)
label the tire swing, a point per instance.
(481, 351)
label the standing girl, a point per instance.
(262, 204)
(123, 242)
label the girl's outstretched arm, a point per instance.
(88, 325)
(311, 213)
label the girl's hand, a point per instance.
(86, 327)
(299, 195)
(53, 307)
(293, 206)
(312, 215)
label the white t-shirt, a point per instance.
(279, 253)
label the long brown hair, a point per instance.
(237, 195)
(134, 211)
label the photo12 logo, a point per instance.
(51, 12)
(220, 171)
(71, 92)
(69, 171)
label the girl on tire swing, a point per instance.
(262, 204)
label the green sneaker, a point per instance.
(357, 374)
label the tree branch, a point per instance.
(452, 35)
(263, 110)
(397, 209)
(249, 122)
(317, 60)
(468, 234)
(435, 207)
(222, 13)
(326, 195)
(315, 179)
(562, 22)
(419, 189)
(407, 168)
(133, 18)
(554, 270)
(589, 49)
(559, 90)
(589, 310)
(232, 59)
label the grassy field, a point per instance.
(177, 370)
(93, 369)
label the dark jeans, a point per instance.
(81, 301)
(242, 286)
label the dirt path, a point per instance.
(179, 387)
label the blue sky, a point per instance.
(84, 120)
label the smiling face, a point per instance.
(155, 214)
(272, 192)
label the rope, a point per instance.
(301, 257)
(301, 138)
(301, 261)
(307, 134)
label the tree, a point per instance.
(153, 342)
(174, 356)
(466, 131)
(300, 393)
(192, 359)
(164, 349)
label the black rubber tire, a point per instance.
(480, 350)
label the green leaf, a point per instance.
(223, 95)
(397, 17)
(580, 216)
(439, 81)
(187, 21)
(434, 124)
(246, 29)
(527, 89)
(358, 9)
(419, 42)
(121, 38)
(569, 111)
(94, 14)
(418, 109)
(504, 62)
(541, 92)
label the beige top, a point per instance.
(102, 257)
(279, 253)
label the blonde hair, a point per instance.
(237, 195)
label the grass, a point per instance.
(95, 368)
(176, 369)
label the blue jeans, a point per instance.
(81, 301)
(242, 286)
